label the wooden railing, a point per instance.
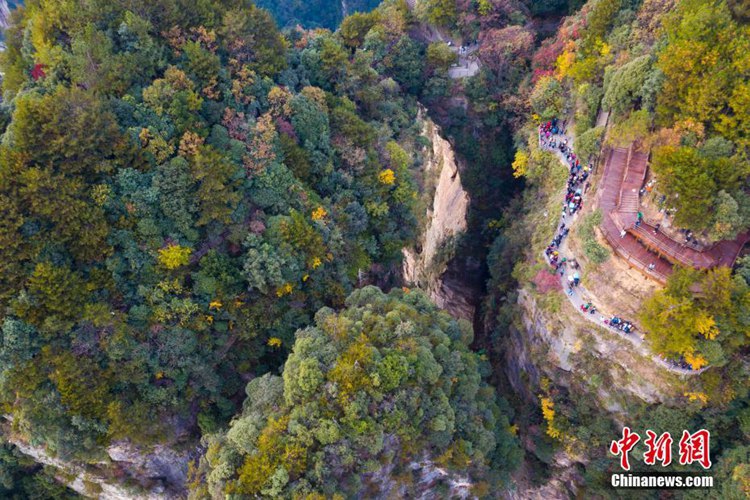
(633, 261)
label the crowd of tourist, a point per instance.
(680, 363)
(552, 137)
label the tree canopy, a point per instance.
(387, 381)
(182, 187)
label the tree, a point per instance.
(68, 128)
(176, 198)
(311, 125)
(547, 99)
(624, 85)
(54, 293)
(680, 323)
(21, 477)
(505, 49)
(714, 92)
(266, 268)
(440, 57)
(440, 12)
(218, 186)
(354, 28)
(406, 62)
(588, 144)
(688, 177)
(727, 221)
(174, 256)
(249, 36)
(388, 376)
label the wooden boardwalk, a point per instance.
(627, 247)
(624, 174)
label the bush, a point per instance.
(589, 143)
(595, 252)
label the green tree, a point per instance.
(624, 85)
(687, 175)
(440, 57)
(355, 27)
(249, 35)
(218, 186)
(727, 221)
(547, 99)
(440, 12)
(370, 386)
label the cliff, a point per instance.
(430, 264)
(127, 472)
(553, 341)
(4, 14)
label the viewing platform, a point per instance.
(643, 244)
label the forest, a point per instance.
(185, 188)
(205, 206)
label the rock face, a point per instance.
(428, 479)
(131, 473)
(427, 265)
(4, 14)
(550, 340)
(161, 464)
(88, 482)
(570, 351)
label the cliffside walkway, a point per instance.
(577, 293)
(468, 63)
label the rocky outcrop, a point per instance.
(160, 464)
(550, 340)
(426, 475)
(159, 473)
(5, 7)
(563, 347)
(427, 265)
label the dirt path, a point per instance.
(468, 63)
(579, 296)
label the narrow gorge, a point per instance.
(431, 264)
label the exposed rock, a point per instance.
(87, 482)
(4, 14)
(553, 345)
(446, 206)
(560, 487)
(131, 473)
(552, 341)
(159, 464)
(427, 476)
